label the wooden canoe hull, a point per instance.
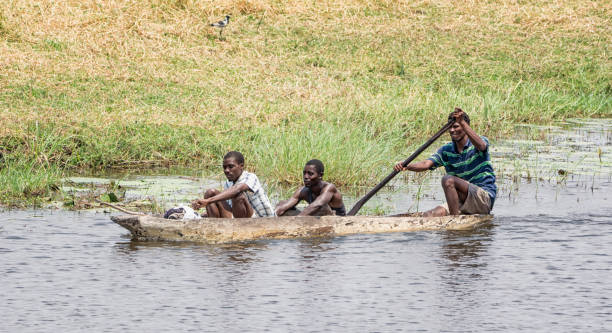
(223, 230)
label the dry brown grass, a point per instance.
(104, 37)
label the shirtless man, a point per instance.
(323, 197)
(469, 184)
(242, 195)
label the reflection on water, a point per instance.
(463, 247)
(311, 247)
(463, 261)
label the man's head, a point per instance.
(456, 131)
(233, 165)
(313, 172)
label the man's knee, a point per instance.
(324, 211)
(240, 199)
(241, 206)
(448, 181)
(291, 212)
(437, 211)
(211, 193)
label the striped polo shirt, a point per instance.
(471, 165)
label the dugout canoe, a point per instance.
(146, 227)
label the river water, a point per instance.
(543, 265)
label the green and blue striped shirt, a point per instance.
(471, 165)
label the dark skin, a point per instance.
(215, 200)
(455, 188)
(325, 194)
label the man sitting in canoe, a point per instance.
(469, 184)
(323, 197)
(242, 195)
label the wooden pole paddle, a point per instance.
(384, 182)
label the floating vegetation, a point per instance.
(573, 149)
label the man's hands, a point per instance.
(416, 167)
(199, 203)
(398, 167)
(458, 116)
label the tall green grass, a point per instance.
(27, 183)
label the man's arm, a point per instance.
(476, 140)
(323, 199)
(416, 167)
(291, 202)
(225, 195)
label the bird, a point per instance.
(221, 24)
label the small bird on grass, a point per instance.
(221, 25)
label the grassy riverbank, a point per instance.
(358, 84)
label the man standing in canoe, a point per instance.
(242, 195)
(323, 198)
(469, 184)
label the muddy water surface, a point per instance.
(543, 265)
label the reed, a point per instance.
(90, 85)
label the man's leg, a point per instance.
(437, 211)
(323, 211)
(241, 206)
(456, 191)
(293, 211)
(219, 208)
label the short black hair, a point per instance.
(317, 164)
(236, 155)
(465, 117)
